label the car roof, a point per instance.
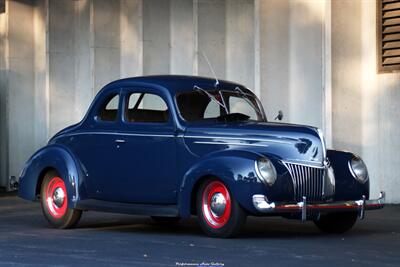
(173, 83)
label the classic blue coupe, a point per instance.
(175, 146)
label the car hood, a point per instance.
(285, 141)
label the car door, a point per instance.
(147, 150)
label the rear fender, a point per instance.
(51, 157)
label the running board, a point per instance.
(128, 208)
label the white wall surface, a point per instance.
(365, 104)
(56, 54)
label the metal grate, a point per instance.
(388, 35)
(307, 181)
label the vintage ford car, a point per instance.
(175, 146)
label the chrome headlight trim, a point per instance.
(266, 171)
(358, 169)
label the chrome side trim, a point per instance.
(228, 143)
(118, 133)
(239, 138)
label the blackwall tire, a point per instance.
(54, 202)
(215, 220)
(336, 223)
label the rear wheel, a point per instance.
(54, 201)
(336, 223)
(219, 214)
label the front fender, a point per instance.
(235, 168)
(52, 156)
(346, 187)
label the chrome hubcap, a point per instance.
(58, 197)
(218, 204)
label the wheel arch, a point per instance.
(235, 168)
(195, 189)
(52, 157)
(41, 176)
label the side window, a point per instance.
(145, 107)
(109, 111)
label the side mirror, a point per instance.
(279, 116)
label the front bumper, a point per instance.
(261, 203)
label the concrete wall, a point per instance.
(365, 104)
(17, 79)
(291, 59)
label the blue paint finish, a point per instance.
(160, 164)
(55, 157)
(346, 186)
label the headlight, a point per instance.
(358, 169)
(266, 171)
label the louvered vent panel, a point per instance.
(2, 6)
(388, 23)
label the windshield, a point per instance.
(219, 105)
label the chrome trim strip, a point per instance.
(239, 138)
(118, 133)
(228, 143)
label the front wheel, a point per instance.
(336, 223)
(54, 201)
(219, 214)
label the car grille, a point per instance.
(307, 181)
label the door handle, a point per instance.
(120, 141)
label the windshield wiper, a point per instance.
(213, 98)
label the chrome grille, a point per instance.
(307, 181)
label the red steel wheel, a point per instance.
(54, 200)
(56, 197)
(216, 204)
(218, 212)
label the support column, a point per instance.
(182, 37)
(131, 28)
(156, 37)
(240, 38)
(211, 37)
(106, 42)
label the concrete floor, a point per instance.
(120, 240)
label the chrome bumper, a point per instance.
(261, 203)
